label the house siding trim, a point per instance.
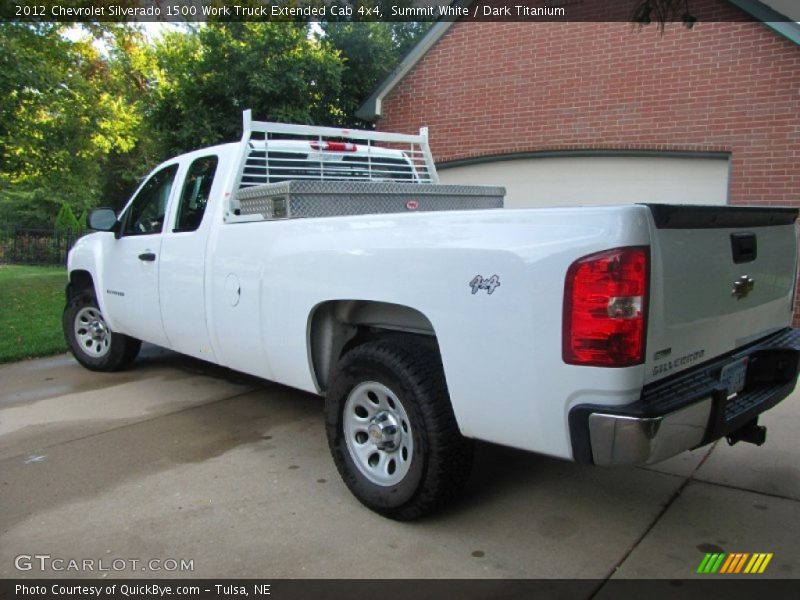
(583, 153)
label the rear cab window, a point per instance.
(195, 193)
(283, 164)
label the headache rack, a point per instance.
(295, 171)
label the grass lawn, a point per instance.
(31, 303)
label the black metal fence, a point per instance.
(36, 246)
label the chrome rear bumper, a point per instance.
(687, 410)
(624, 440)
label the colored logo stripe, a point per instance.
(735, 562)
(758, 563)
(732, 558)
(711, 563)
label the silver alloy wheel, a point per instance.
(378, 433)
(92, 333)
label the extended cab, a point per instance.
(428, 316)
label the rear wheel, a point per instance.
(392, 431)
(90, 339)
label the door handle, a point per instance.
(744, 247)
(148, 256)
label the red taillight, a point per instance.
(334, 146)
(605, 308)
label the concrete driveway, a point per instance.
(177, 459)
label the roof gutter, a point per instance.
(372, 108)
(771, 18)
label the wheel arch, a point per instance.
(79, 280)
(336, 326)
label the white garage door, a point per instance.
(600, 180)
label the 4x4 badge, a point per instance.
(479, 283)
(742, 286)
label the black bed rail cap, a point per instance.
(684, 216)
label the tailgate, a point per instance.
(721, 277)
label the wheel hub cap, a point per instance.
(384, 431)
(378, 434)
(98, 330)
(91, 332)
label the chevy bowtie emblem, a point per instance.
(742, 286)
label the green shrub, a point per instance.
(82, 219)
(66, 220)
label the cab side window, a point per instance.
(195, 194)
(145, 215)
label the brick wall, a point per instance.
(496, 88)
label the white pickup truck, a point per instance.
(332, 261)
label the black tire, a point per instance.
(440, 458)
(111, 353)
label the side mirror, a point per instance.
(102, 219)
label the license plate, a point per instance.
(733, 376)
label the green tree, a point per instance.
(134, 77)
(59, 119)
(370, 51)
(662, 12)
(209, 74)
(84, 118)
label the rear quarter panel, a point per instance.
(501, 352)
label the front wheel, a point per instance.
(90, 339)
(391, 429)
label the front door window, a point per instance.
(146, 213)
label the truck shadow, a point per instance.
(282, 432)
(154, 356)
(497, 470)
(500, 475)
(547, 489)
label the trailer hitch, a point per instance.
(752, 433)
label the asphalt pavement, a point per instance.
(177, 468)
